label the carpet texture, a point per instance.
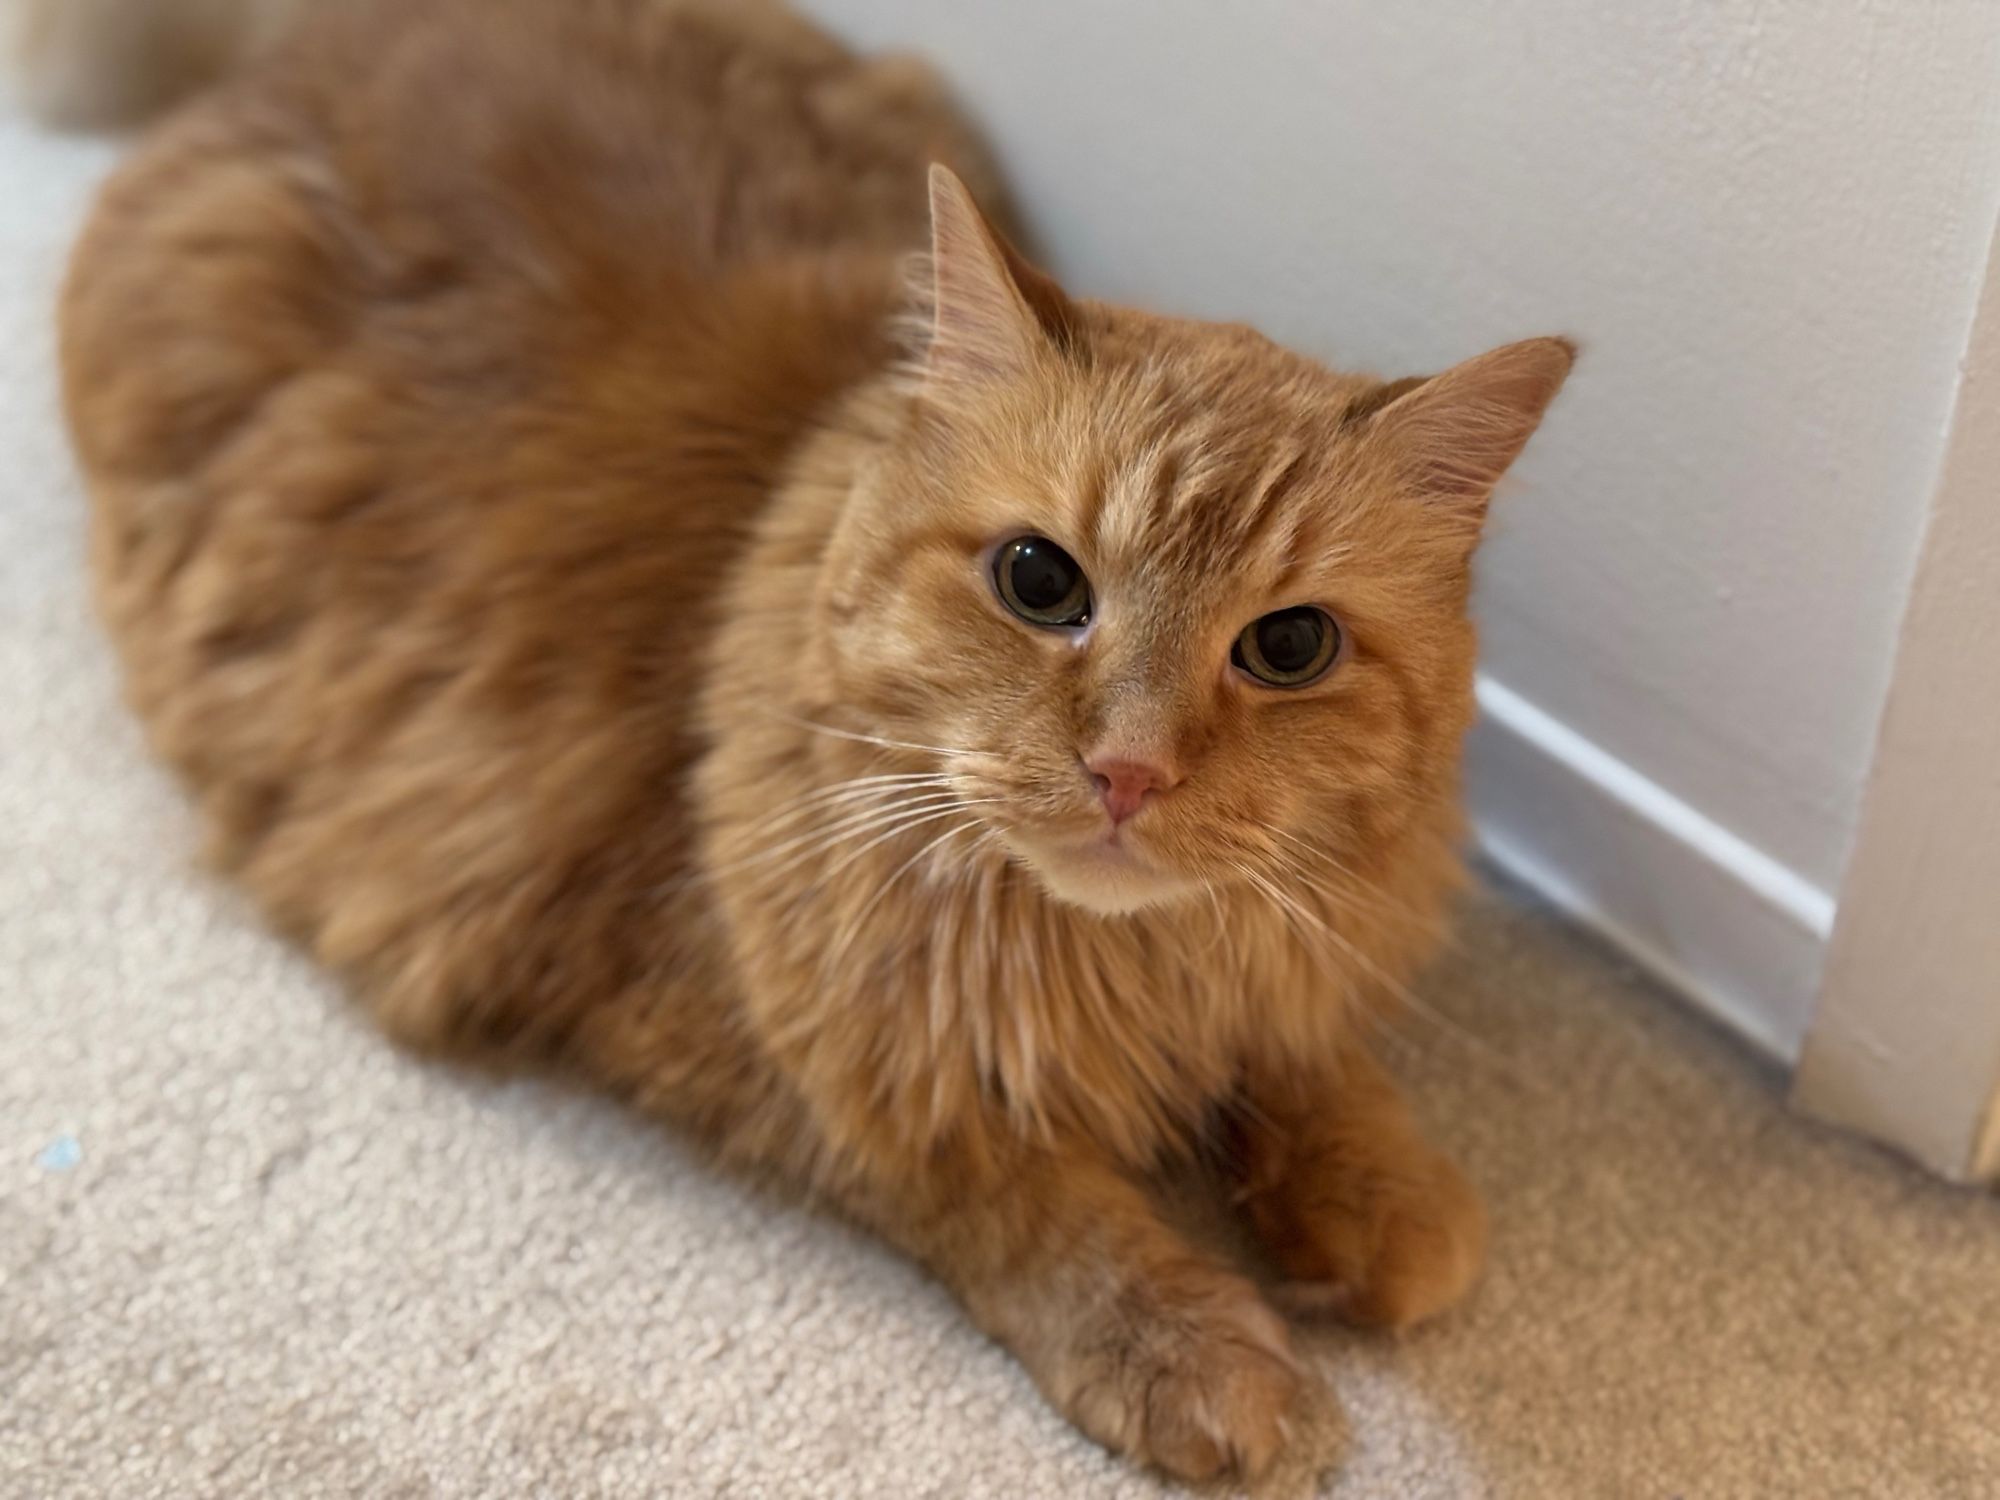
(247, 1249)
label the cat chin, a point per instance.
(1109, 887)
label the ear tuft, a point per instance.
(993, 315)
(1463, 429)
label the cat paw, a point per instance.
(1388, 1250)
(1196, 1381)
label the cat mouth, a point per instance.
(1108, 848)
(1091, 841)
(1104, 872)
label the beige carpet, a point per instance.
(246, 1249)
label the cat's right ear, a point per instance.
(1461, 430)
(994, 317)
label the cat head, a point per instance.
(1179, 608)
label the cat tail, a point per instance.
(100, 64)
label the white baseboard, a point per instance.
(1739, 934)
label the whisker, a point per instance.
(852, 928)
(846, 821)
(884, 837)
(1374, 1017)
(804, 846)
(1221, 937)
(860, 788)
(857, 736)
(1292, 908)
(843, 793)
(1351, 901)
(1355, 894)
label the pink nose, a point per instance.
(1124, 784)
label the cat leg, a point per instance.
(1151, 1347)
(1364, 1217)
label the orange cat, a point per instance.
(954, 751)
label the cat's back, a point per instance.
(553, 167)
(427, 379)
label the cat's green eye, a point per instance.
(1288, 647)
(1041, 583)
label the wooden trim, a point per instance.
(1905, 1042)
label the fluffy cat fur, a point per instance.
(551, 542)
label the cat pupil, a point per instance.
(1290, 639)
(1043, 577)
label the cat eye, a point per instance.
(1288, 647)
(1041, 583)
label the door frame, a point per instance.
(1904, 1043)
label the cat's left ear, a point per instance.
(993, 316)
(1460, 431)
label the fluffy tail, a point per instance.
(105, 63)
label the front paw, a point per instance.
(1194, 1376)
(1385, 1244)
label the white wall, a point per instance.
(1765, 220)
